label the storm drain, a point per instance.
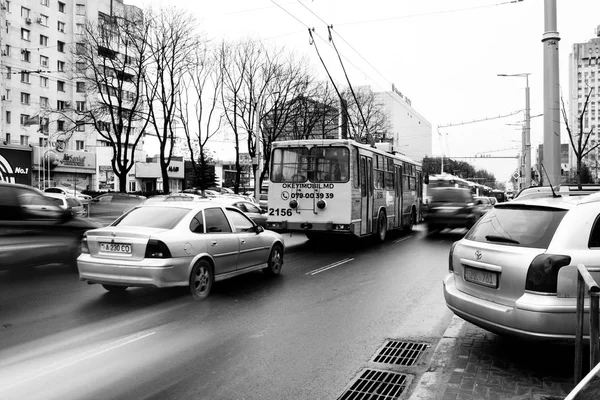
(377, 385)
(400, 353)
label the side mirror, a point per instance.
(259, 229)
(94, 200)
(426, 179)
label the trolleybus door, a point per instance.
(398, 208)
(366, 193)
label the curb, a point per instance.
(429, 385)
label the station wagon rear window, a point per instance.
(523, 226)
(153, 217)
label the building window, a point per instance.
(80, 48)
(25, 34)
(80, 105)
(24, 77)
(80, 126)
(8, 139)
(61, 7)
(80, 87)
(60, 125)
(132, 187)
(24, 119)
(80, 145)
(60, 66)
(8, 72)
(6, 94)
(60, 105)
(24, 98)
(8, 117)
(80, 66)
(60, 46)
(80, 9)
(43, 40)
(43, 19)
(45, 2)
(43, 81)
(61, 26)
(7, 50)
(44, 102)
(25, 55)
(79, 29)
(24, 140)
(43, 61)
(7, 3)
(60, 86)
(44, 125)
(43, 142)
(25, 12)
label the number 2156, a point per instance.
(283, 212)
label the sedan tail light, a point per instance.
(84, 246)
(542, 275)
(157, 249)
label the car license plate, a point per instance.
(481, 277)
(115, 248)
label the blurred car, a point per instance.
(493, 200)
(264, 201)
(178, 244)
(255, 213)
(451, 207)
(515, 272)
(69, 203)
(68, 192)
(34, 230)
(110, 206)
(484, 204)
(173, 197)
(207, 192)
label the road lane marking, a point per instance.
(74, 360)
(325, 268)
(402, 239)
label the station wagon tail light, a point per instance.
(542, 275)
(84, 246)
(450, 266)
(157, 249)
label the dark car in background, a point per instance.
(252, 211)
(34, 230)
(451, 207)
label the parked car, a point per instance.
(110, 206)
(34, 230)
(68, 192)
(178, 244)
(484, 204)
(451, 207)
(69, 203)
(173, 197)
(255, 213)
(515, 273)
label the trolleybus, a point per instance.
(339, 186)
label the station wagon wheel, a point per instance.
(275, 261)
(381, 227)
(201, 280)
(115, 288)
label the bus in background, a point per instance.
(342, 187)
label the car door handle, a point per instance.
(242, 241)
(214, 243)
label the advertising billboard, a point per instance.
(15, 165)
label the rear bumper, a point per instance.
(451, 220)
(148, 272)
(329, 227)
(532, 316)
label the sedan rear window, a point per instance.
(523, 226)
(153, 217)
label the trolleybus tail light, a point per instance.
(321, 204)
(341, 227)
(293, 204)
(277, 225)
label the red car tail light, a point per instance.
(450, 266)
(542, 275)
(157, 249)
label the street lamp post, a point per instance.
(526, 136)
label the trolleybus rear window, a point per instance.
(290, 165)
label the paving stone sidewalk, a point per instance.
(485, 366)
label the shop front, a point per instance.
(150, 177)
(65, 168)
(15, 165)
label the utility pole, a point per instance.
(257, 172)
(550, 41)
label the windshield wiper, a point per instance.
(496, 238)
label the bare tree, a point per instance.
(109, 62)
(579, 138)
(375, 125)
(202, 88)
(171, 43)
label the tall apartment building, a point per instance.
(36, 40)
(411, 132)
(584, 75)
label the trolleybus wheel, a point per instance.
(381, 227)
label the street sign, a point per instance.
(515, 175)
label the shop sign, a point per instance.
(15, 166)
(66, 161)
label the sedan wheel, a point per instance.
(275, 261)
(201, 280)
(115, 288)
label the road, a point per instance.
(304, 335)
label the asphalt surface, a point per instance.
(304, 335)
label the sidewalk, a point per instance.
(470, 363)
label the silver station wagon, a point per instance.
(515, 271)
(178, 244)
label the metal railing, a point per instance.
(585, 280)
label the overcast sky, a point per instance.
(444, 55)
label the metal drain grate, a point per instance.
(400, 353)
(376, 385)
